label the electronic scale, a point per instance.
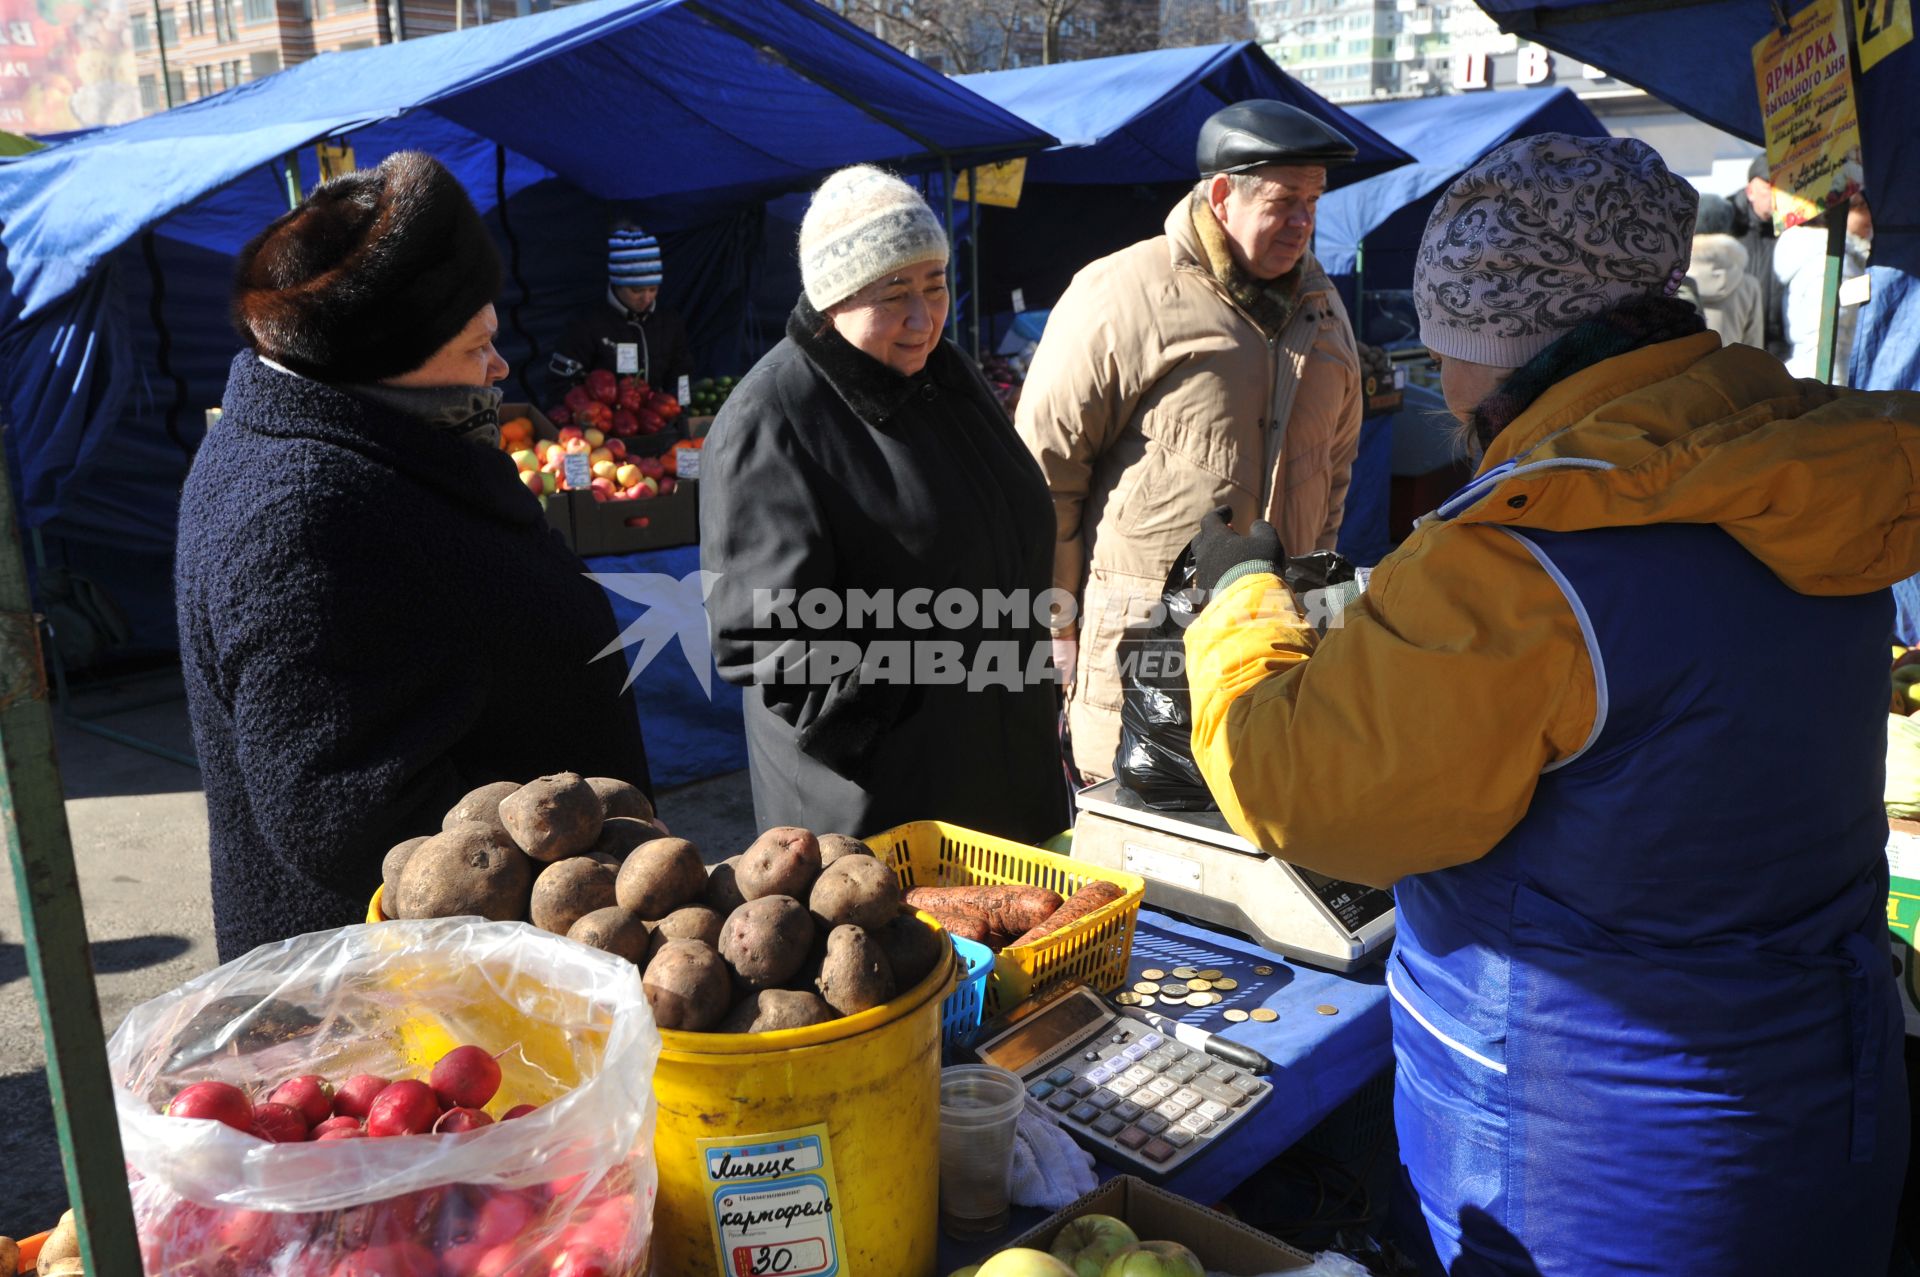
(1195, 865)
(1133, 1095)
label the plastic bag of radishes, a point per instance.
(443, 1098)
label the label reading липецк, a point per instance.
(773, 1203)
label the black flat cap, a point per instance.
(1262, 131)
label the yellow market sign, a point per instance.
(1807, 106)
(1881, 26)
(999, 184)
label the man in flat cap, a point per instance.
(1210, 366)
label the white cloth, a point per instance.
(1800, 267)
(1049, 1170)
(862, 224)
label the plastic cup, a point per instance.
(979, 1109)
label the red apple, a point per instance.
(216, 1102)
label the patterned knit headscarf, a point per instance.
(1544, 233)
(863, 223)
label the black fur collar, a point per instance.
(875, 392)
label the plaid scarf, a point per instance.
(1640, 321)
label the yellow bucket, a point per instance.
(812, 1150)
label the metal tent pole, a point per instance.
(1830, 293)
(973, 252)
(946, 170)
(54, 927)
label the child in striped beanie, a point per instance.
(633, 261)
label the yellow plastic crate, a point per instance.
(1093, 951)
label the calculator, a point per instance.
(1124, 1090)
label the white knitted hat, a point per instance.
(863, 222)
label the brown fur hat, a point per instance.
(370, 276)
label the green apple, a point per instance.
(1088, 1243)
(526, 459)
(1021, 1262)
(1155, 1259)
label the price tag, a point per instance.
(686, 390)
(773, 1202)
(1019, 300)
(578, 471)
(1856, 291)
(626, 358)
(686, 463)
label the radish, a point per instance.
(355, 1097)
(215, 1102)
(504, 1217)
(341, 1133)
(518, 1110)
(311, 1094)
(279, 1123)
(582, 1261)
(333, 1124)
(466, 1077)
(245, 1237)
(404, 1108)
(454, 1121)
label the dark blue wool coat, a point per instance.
(374, 619)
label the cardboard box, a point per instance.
(1903, 912)
(1223, 1245)
(623, 527)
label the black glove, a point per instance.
(1222, 556)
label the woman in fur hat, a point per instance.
(864, 505)
(374, 617)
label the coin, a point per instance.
(1199, 986)
(1172, 1000)
(1184, 973)
(1228, 983)
(1266, 1015)
(1146, 986)
(1326, 1009)
(1176, 988)
(1153, 973)
(1235, 1016)
(1126, 999)
(1263, 970)
(1212, 973)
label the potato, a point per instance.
(688, 986)
(553, 817)
(723, 891)
(613, 930)
(621, 834)
(9, 1256)
(856, 975)
(568, 890)
(781, 862)
(390, 870)
(65, 1268)
(466, 870)
(62, 1243)
(857, 890)
(693, 922)
(766, 940)
(618, 798)
(913, 949)
(483, 805)
(661, 876)
(834, 847)
(773, 1009)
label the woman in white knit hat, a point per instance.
(882, 545)
(1612, 724)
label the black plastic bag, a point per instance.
(1155, 759)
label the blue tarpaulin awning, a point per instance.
(1134, 118)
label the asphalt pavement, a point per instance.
(139, 830)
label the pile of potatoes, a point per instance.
(796, 930)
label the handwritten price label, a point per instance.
(773, 1204)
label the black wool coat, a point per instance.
(593, 341)
(828, 471)
(374, 618)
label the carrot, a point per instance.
(1083, 902)
(1008, 910)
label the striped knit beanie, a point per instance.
(1542, 234)
(633, 258)
(863, 223)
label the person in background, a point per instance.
(1800, 269)
(1645, 1018)
(1758, 239)
(630, 333)
(865, 457)
(361, 578)
(1212, 365)
(1728, 296)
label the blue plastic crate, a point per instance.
(961, 1013)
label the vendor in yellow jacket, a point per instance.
(1611, 725)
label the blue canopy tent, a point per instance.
(116, 246)
(1446, 136)
(1696, 55)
